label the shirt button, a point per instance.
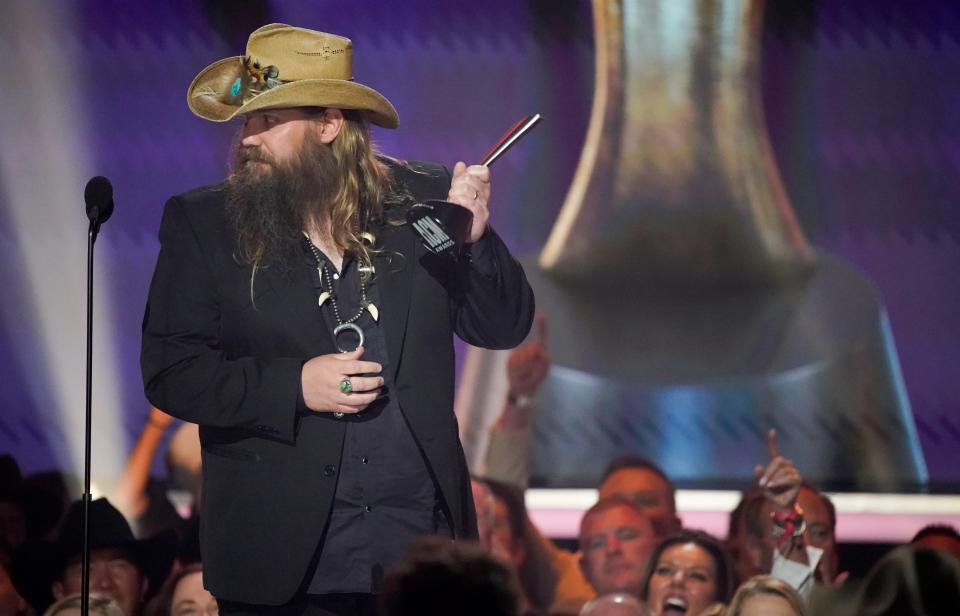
(336, 276)
(329, 470)
(366, 508)
(364, 460)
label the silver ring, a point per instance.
(476, 195)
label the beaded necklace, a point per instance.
(328, 294)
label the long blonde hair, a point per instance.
(766, 585)
(364, 184)
(100, 605)
(350, 185)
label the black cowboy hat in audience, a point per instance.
(38, 564)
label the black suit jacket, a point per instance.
(227, 355)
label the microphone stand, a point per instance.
(92, 232)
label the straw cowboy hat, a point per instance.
(286, 66)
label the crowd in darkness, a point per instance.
(634, 556)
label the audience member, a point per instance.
(615, 604)
(184, 463)
(183, 594)
(99, 605)
(507, 456)
(28, 508)
(643, 482)
(144, 499)
(49, 496)
(485, 505)
(505, 530)
(764, 595)
(616, 540)
(11, 603)
(909, 581)
(785, 528)
(745, 534)
(821, 533)
(752, 543)
(938, 537)
(121, 567)
(441, 578)
(687, 573)
(501, 514)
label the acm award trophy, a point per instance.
(443, 226)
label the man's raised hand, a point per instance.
(780, 479)
(470, 188)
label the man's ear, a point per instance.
(57, 589)
(330, 124)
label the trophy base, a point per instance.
(442, 226)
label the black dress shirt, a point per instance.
(385, 495)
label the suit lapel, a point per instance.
(394, 276)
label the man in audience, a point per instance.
(507, 455)
(785, 528)
(938, 537)
(616, 540)
(643, 482)
(821, 519)
(745, 544)
(121, 567)
(506, 531)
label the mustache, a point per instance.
(253, 154)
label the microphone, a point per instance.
(98, 196)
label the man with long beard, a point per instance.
(296, 317)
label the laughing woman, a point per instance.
(688, 572)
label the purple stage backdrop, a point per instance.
(861, 97)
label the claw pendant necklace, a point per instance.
(351, 323)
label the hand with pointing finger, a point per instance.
(780, 480)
